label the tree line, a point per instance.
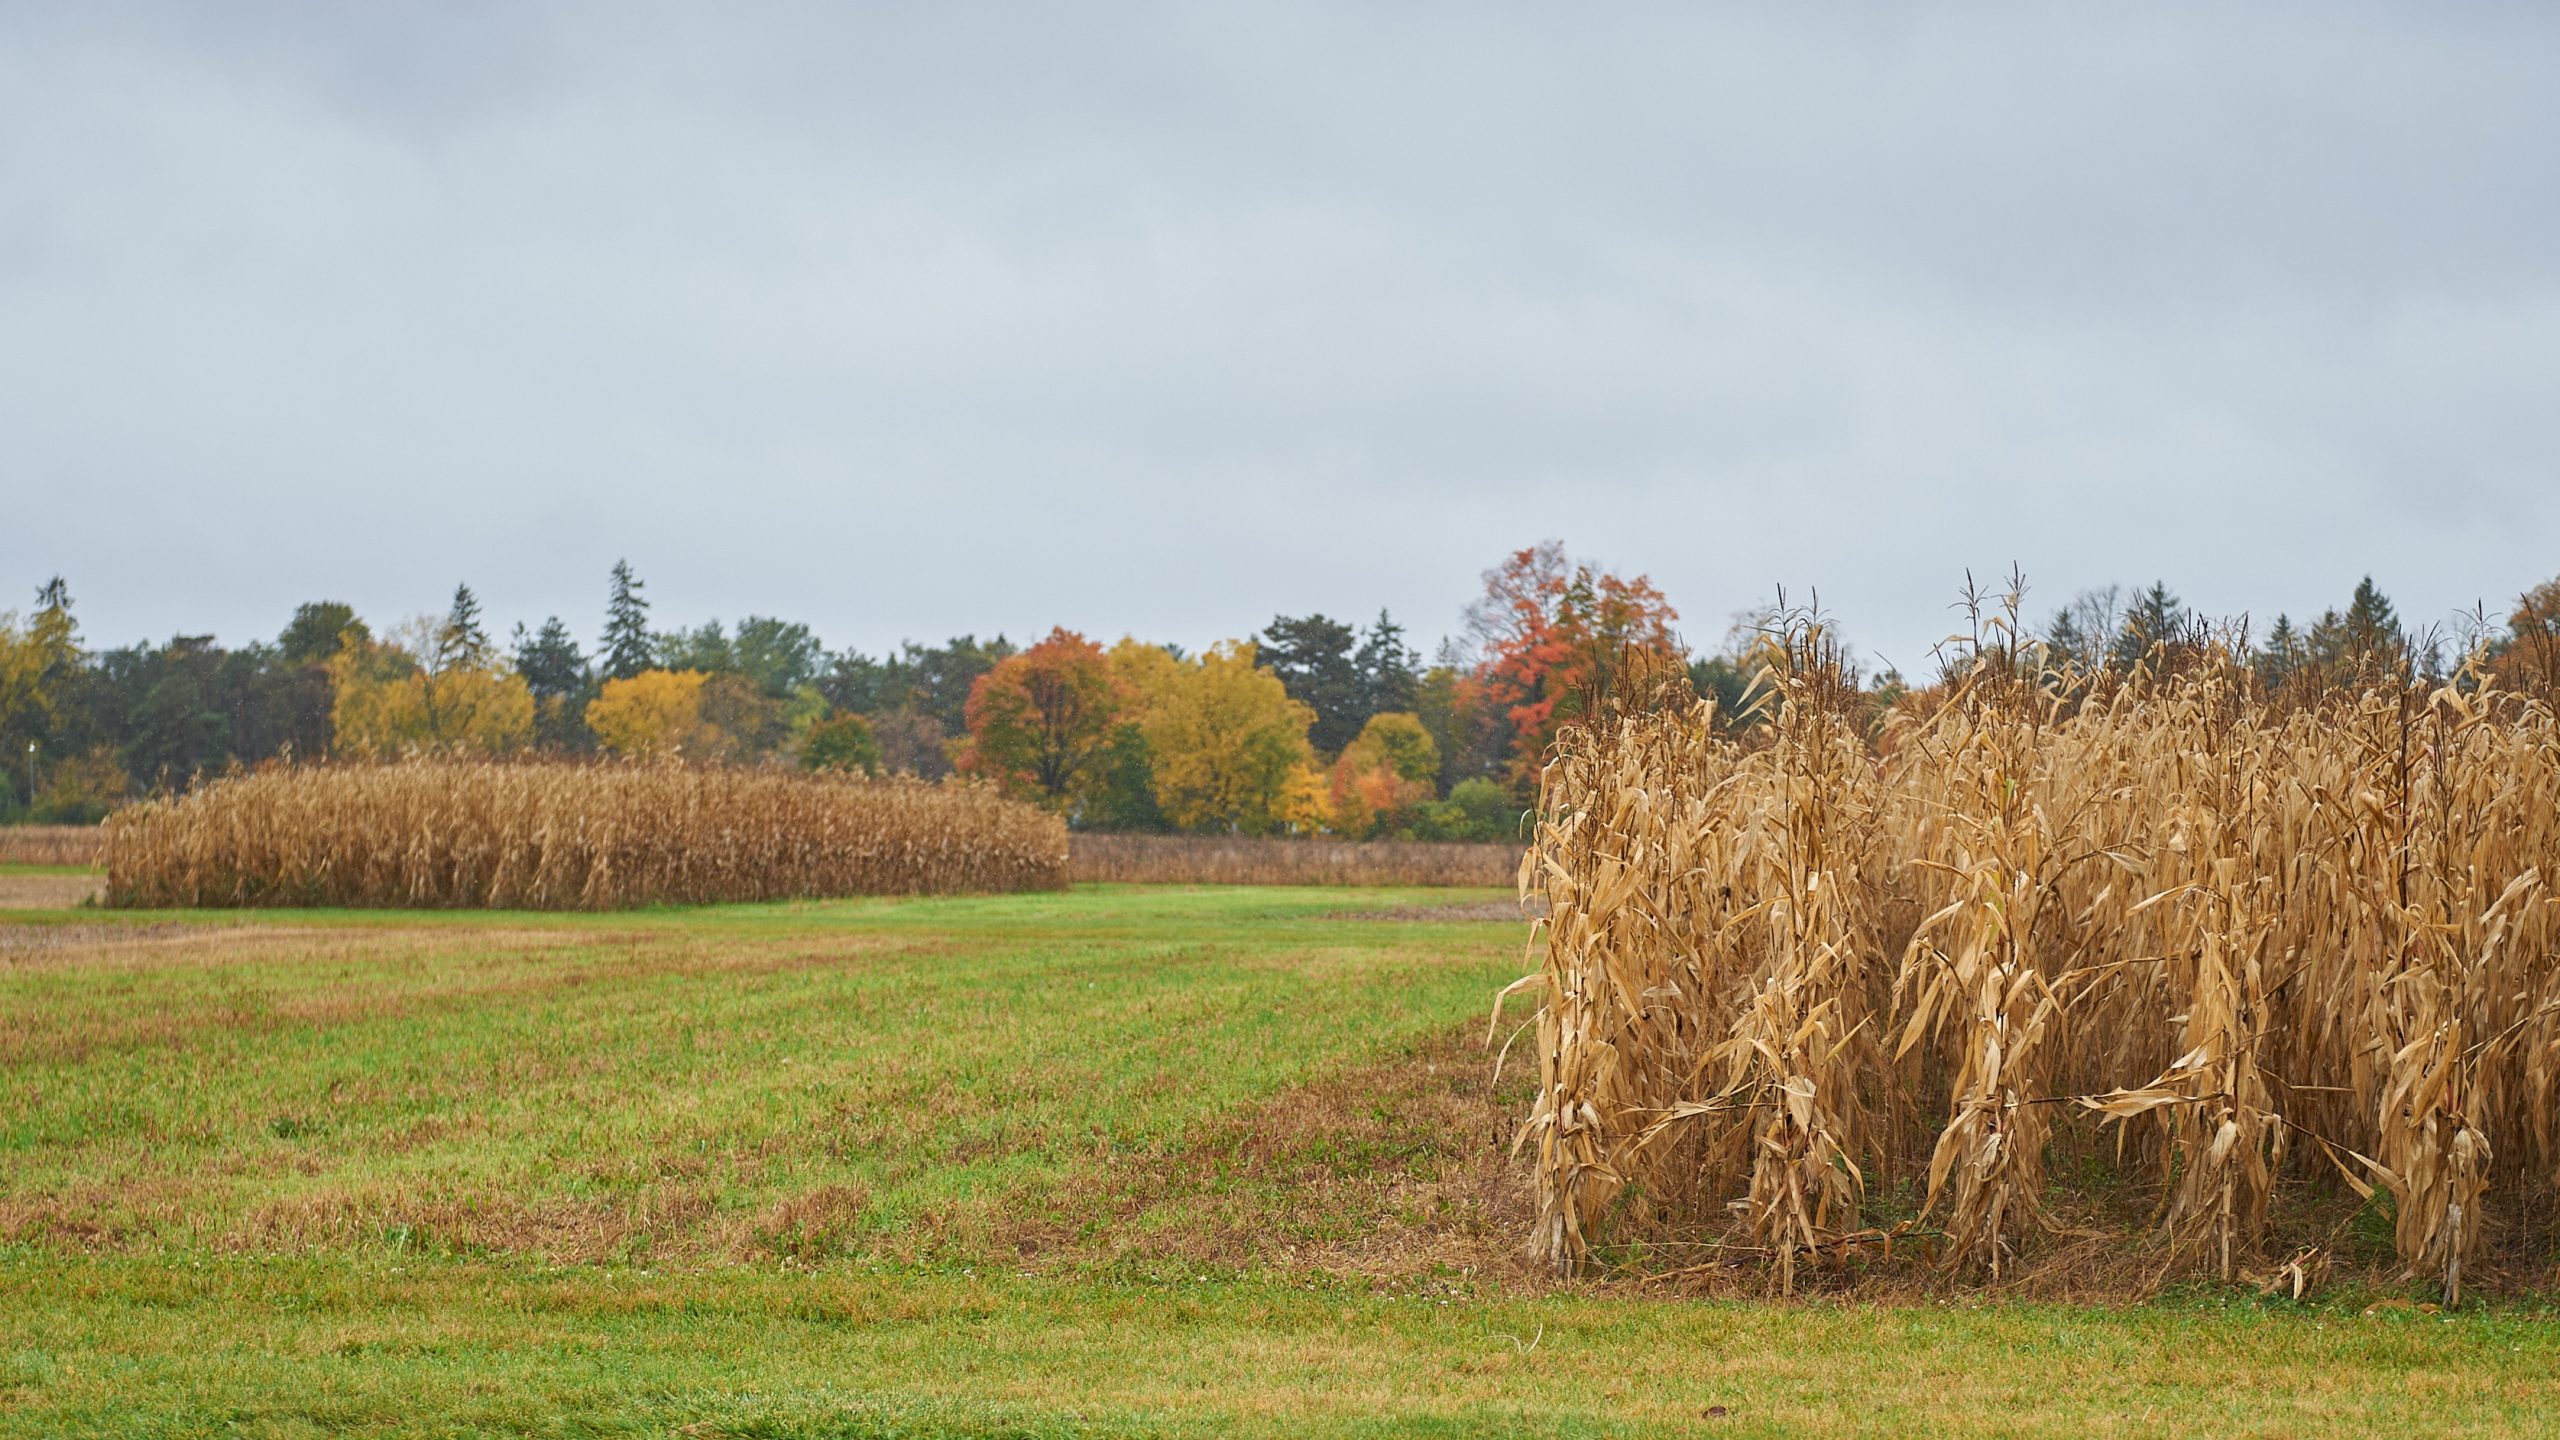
(1313, 725)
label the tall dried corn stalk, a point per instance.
(2262, 935)
(439, 833)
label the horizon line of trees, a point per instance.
(1312, 725)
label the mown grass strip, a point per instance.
(136, 1347)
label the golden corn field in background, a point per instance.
(445, 833)
(2264, 947)
(49, 844)
(1268, 860)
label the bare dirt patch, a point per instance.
(20, 944)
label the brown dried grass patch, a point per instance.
(653, 1221)
(809, 1225)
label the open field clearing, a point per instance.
(379, 1345)
(1119, 1161)
(47, 887)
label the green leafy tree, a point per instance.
(842, 741)
(1477, 809)
(179, 729)
(780, 656)
(856, 684)
(945, 676)
(317, 631)
(1466, 726)
(705, 648)
(928, 681)
(1117, 789)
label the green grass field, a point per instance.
(1123, 1161)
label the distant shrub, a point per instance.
(840, 742)
(1478, 810)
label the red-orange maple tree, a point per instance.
(1040, 716)
(1554, 635)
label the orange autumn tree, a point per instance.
(1041, 717)
(2529, 658)
(1384, 775)
(1552, 635)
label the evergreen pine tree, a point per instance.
(2368, 636)
(1387, 666)
(2064, 640)
(2282, 654)
(462, 642)
(2373, 628)
(56, 634)
(549, 661)
(2157, 618)
(626, 626)
(556, 673)
(1313, 658)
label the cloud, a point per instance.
(915, 321)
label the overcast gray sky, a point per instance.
(924, 319)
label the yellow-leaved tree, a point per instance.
(653, 714)
(1226, 745)
(419, 690)
(36, 662)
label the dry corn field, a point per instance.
(49, 844)
(455, 833)
(2257, 955)
(1248, 860)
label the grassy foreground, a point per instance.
(1124, 1161)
